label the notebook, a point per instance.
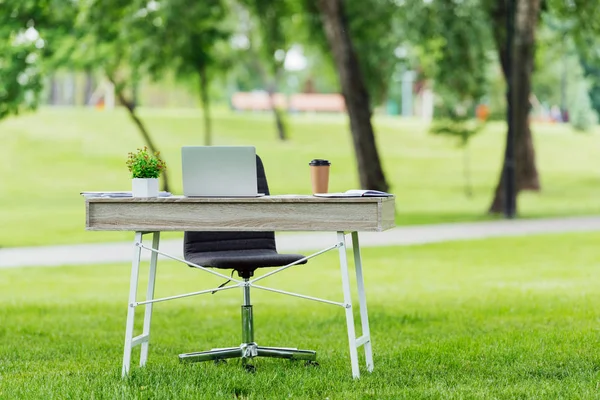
(356, 193)
(219, 171)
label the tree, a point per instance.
(103, 41)
(455, 62)
(273, 17)
(30, 33)
(582, 116)
(579, 19)
(186, 38)
(376, 34)
(132, 40)
(457, 41)
(526, 19)
(463, 128)
(21, 73)
(354, 90)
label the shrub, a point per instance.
(582, 115)
(143, 164)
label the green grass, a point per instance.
(500, 318)
(47, 158)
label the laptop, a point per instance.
(219, 171)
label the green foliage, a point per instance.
(375, 35)
(592, 74)
(275, 27)
(133, 40)
(460, 126)
(102, 41)
(578, 21)
(457, 126)
(21, 71)
(452, 41)
(554, 59)
(143, 164)
(30, 34)
(188, 39)
(179, 36)
(441, 35)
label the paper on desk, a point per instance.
(117, 194)
(355, 193)
(289, 195)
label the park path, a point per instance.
(82, 254)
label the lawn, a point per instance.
(497, 318)
(52, 155)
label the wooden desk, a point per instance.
(270, 213)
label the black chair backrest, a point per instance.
(201, 242)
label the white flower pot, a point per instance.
(144, 187)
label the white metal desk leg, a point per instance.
(362, 299)
(133, 282)
(149, 296)
(348, 302)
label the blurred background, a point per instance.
(405, 96)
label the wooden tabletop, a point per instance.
(273, 213)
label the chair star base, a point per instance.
(248, 351)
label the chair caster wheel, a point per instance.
(311, 363)
(219, 361)
(250, 368)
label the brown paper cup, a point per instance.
(319, 176)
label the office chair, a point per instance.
(243, 252)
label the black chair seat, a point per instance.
(243, 259)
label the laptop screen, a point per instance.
(219, 171)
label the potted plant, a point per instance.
(145, 169)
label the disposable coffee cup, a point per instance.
(319, 175)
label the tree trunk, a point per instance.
(130, 106)
(205, 104)
(88, 89)
(467, 171)
(355, 94)
(526, 19)
(53, 97)
(271, 90)
(281, 131)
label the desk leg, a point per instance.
(133, 283)
(348, 302)
(149, 296)
(362, 298)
